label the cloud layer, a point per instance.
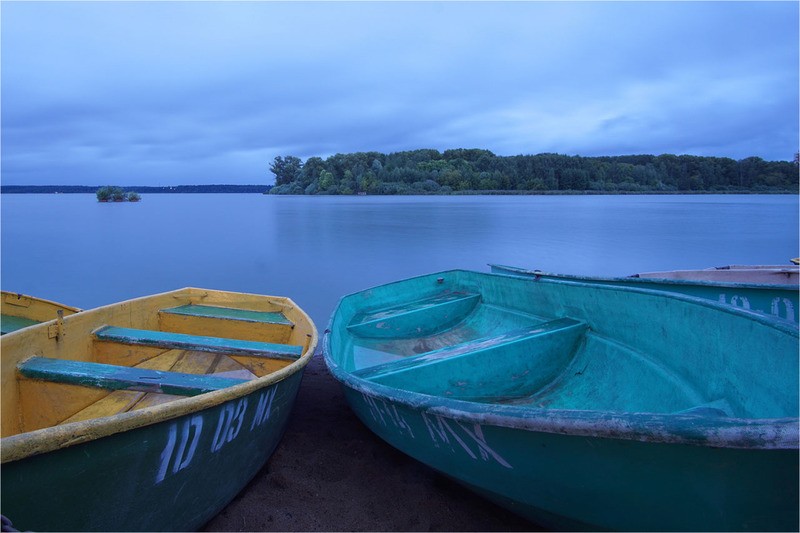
(156, 93)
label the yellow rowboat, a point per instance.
(19, 311)
(150, 414)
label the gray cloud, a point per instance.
(172, 93)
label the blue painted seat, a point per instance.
(114, 377)
(245, 315)
(417, 318)
(522, 360)
(169, 340)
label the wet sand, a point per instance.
(330, 473)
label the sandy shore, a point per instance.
(330, 473)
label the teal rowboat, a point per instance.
(778, 298)
(580, 406)
(146, 415)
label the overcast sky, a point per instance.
(158, 93)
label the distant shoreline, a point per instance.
(264, 189)
(141, 189)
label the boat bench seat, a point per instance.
(114, 377)
(244, 315)
(170, 340)
(266, 326)
(417, 318)
(525, 358)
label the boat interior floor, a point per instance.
(491, 354)
(9, 323)
(131, 369)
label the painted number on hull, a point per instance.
(183, 437)
(442, 431)
(229, 424)
(386, 413)
(181, 456)
(783, 308)
(780, 307)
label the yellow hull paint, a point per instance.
(29, 307)
(40, 416)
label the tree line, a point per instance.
(461, 171)
(142, 189)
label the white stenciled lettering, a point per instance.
(437, 432)
(483, 447)
(186, 446)
(373, 409)
(166, 454)
(740, 301)
(442, 432)
(264, 408)
(229, 423)
(184, 456)
(241, 407)
(788, 308)
(387, 413)
(223, 426)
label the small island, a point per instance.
(116, 194)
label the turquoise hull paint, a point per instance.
(172, 476)
(669, 413)
(781, 301)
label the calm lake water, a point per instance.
(72, 249)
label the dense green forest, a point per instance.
(464, 171)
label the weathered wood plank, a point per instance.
(46, 403)
(119, 401)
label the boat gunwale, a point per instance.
(636, 279)
(42, 300)
(673, 428)
(23, 445)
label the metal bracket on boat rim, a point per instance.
(56, 331)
